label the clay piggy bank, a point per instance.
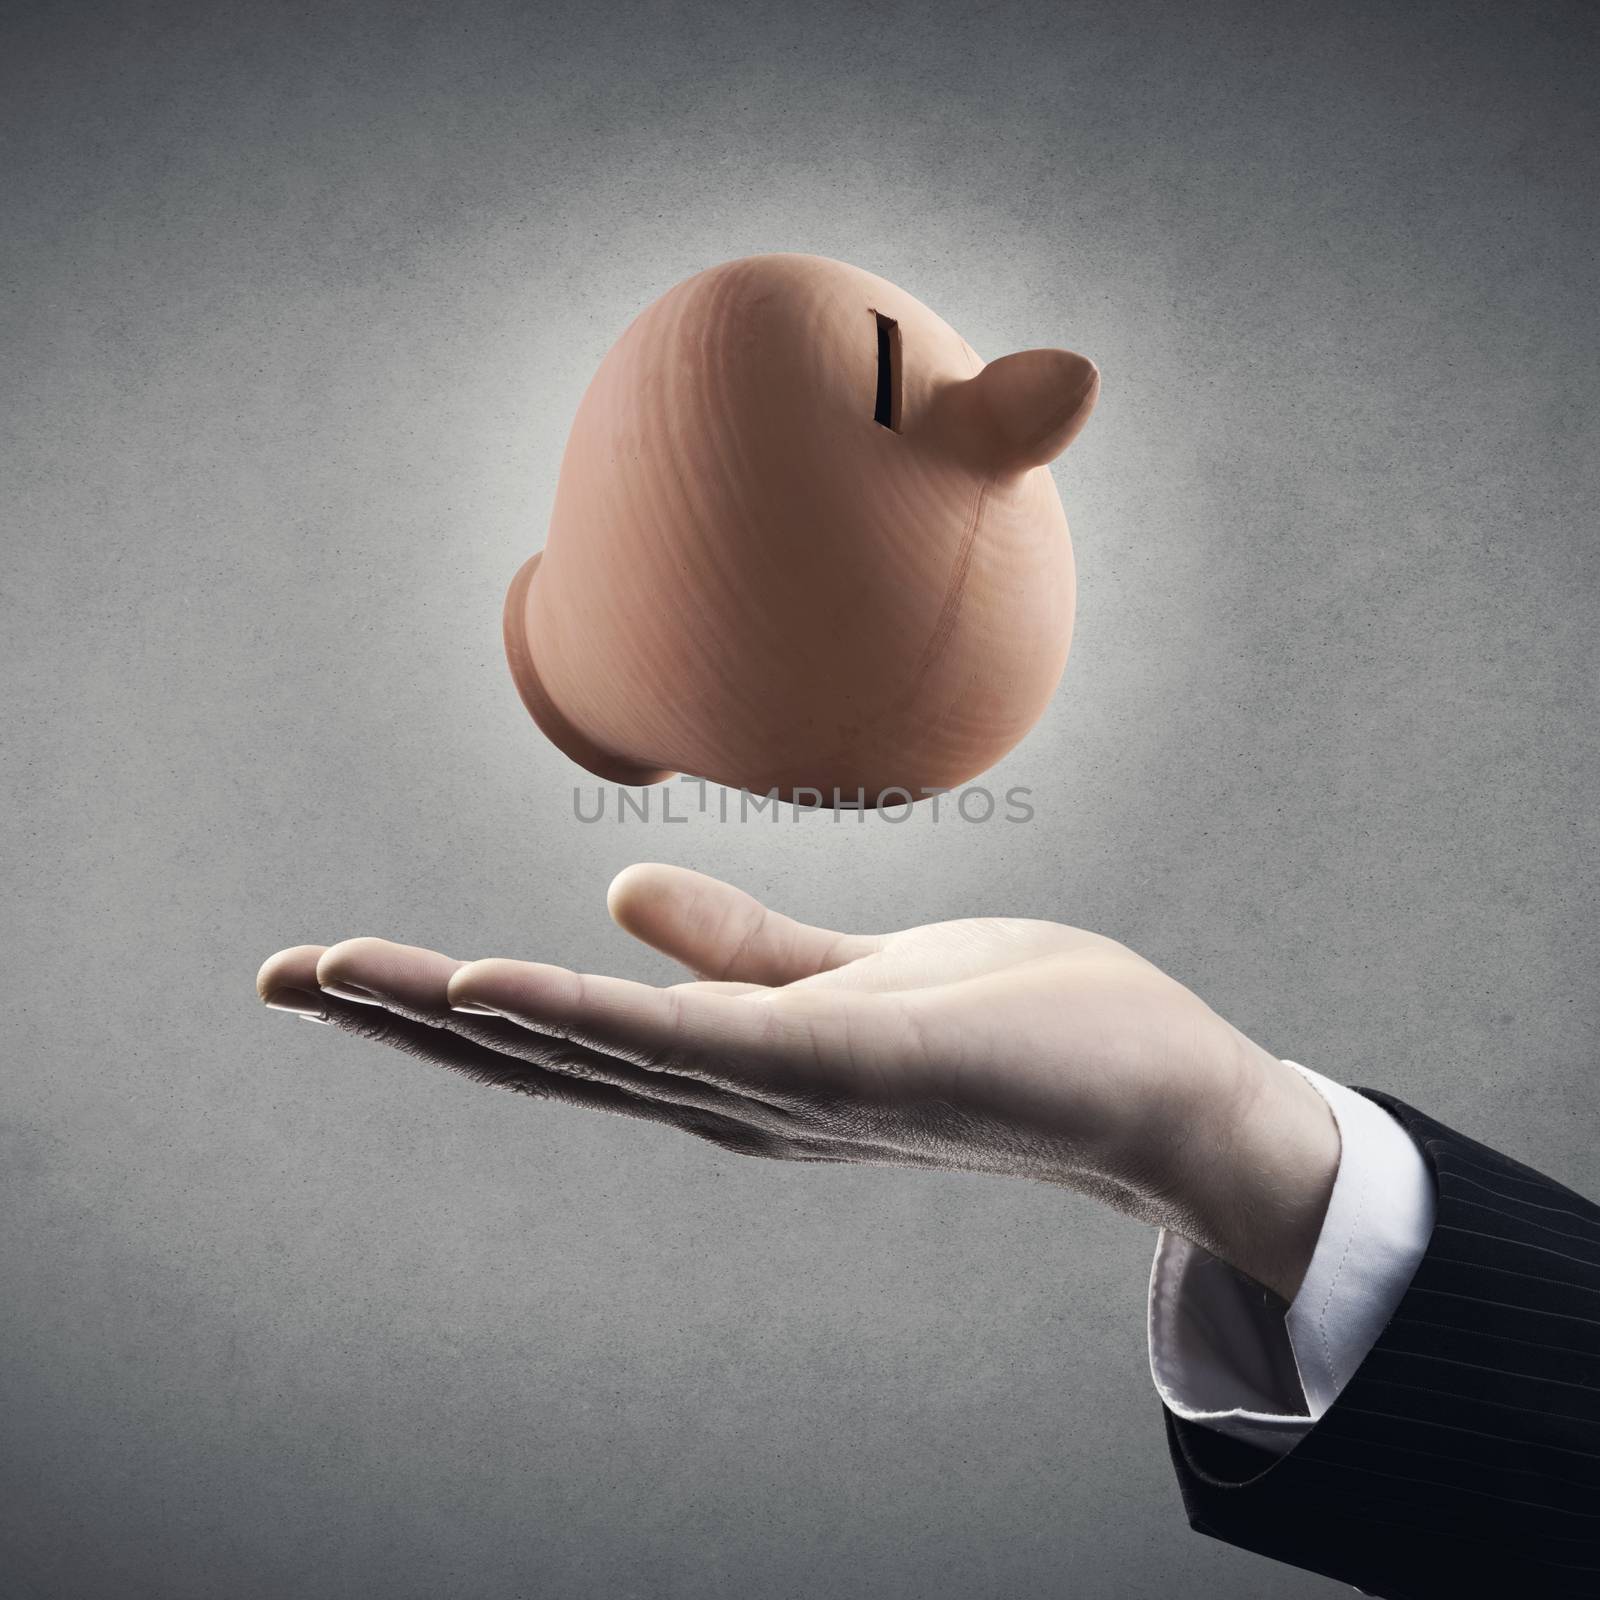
(804, 541)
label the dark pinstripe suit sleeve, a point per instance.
(1463, 1457)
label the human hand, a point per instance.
(996, 1045)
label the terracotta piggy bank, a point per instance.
(804, 541)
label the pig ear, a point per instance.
(1024, 409)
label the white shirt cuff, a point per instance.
(1223, 1352)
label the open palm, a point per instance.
(992, 1044)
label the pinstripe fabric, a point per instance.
(1463, 1457)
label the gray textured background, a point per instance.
(298, 304)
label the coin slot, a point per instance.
(886, 406)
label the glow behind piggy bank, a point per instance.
(804, 540)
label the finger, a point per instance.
(720, 932)
(405, 977)
(294, 968)
(444, 1048)
(438, 1047)
(414, 982)
(770, 1046)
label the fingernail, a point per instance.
(475, 1010)
(351, 991)
(299, 1003)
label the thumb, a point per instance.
(722, 933)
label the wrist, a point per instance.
(1259, 1189)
